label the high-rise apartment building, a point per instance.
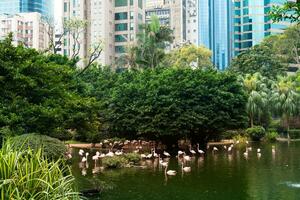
(216, 30)
(113, 22)
(252, 23)
(44, 7)
(180, 15)
(27, 28)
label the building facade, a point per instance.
(252, 24)
(216, 30)
(44, 7)
(27, 28)
(113, 23)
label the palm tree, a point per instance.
(152, 42)
(257, 90)
(285, 99)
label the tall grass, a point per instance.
(28, 174)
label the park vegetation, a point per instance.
(157, 95)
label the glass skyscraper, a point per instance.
(216, 30)
(252, 23)
(45, 7)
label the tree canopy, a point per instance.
(171, 103)
(189, 56)
(38, 95)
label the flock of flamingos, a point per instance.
(138, 146)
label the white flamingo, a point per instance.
(199, 150)
(185, 169)
(110, 154)
(166, 154)
(180, 153)
(170, 172)
(258, 150)
(143, 156)
(162, 163)
(119, 153)
(192, 151)
(187, 158)
(95, 158)
(81, 152)
(155, 155)
(215, 149)
(229, 149)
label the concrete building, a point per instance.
(216, 30)
(44, 7)
(27, 28)
(252, 24)
(180, 15)
(114, 23)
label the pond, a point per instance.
(219, 175)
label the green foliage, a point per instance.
(257, 89)
(271, 135)
(285, 99)
(132, 157)
(152, 41)
(256, 132)
(189, 56)
(294, 133)
(260, 58)
(177, 102)
(39, 94)
(28, 175)
(241, 138)
(52, 148)
(289, 11)
(114, 162)
(230, 134)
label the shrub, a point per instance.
(52, 147)
(114, 162)
(271, 135)
(132, 157)
(294, 133)
(27, 174)
(256, 132)
(229, 134)
(240, 138)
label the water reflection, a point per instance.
(271, 173)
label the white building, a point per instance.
(180, 15)
(27, 28)
(115, 23)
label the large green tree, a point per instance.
(152, 41)
(285, 99)
(189, 56)
(172, 103)
(257, 90)
(39, 94)
(260, 58)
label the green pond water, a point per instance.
(273, 176)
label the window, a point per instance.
(119, 49)
(131, 2)
(119, 3)
(65, 7)
(121, 16)
(121, 38)
(121, 27)
(140, 4)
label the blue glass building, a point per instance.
(45, 7)
(216, 30)
(252, 23)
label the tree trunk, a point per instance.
(251, 121)
(288, 128)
